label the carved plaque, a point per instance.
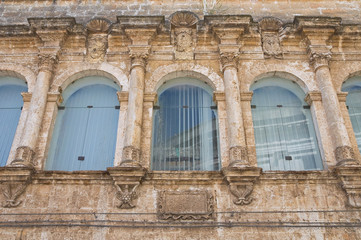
(183, 205)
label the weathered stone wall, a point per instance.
(229, 53)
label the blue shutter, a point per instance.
(85, 131)
(284, 131)
(11, 103)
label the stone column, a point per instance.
(236, 137)
(123, 107)
(342, 100)
(220, 100)
(146, 139)
(319, 59)
(314, 99)
(25, 152)
(131, 150)
(246, 98)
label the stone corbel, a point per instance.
(218, 97)
(241, 183)
(312, 97)
(150, 97)
(55, 97)
(350, 179)
(14, 181)
(123, 96)
(342, 96)
(126, 182)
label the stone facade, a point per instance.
(227, 44)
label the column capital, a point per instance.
(123, 96)
(47, 62)
(319, 56)
(218, 97)
(139, 55)
(229, 59)
(26, 96)
(150, 97)
(55, 97)
(246, 96)
(342, 96)
(313, 96)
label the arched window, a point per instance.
(283, 127)
(11, 103)
(185, 132)
(353, 102)
(84, 135)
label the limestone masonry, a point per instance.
(139, 46)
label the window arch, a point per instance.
(353, 102)
(185, 127)
(283, 127)
(11, 103)
(85, 130)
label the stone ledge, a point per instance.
(186, 177)
(76, 177)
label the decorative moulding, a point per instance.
(350, 179)
(185, 205)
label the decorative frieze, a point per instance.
(185, 205)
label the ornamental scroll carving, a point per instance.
(12, 192)
(185, 205)
(183, 32)
(270, 29)
(47, 62)
(319, 57)
(97, 40)
(126, 194)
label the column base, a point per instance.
(130, 157)
(238, 157)
(350, 179)
(24, 157)
(345, 156)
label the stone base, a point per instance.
(238, 157)
(345, 156)
(24, 157)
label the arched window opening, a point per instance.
(353, 102)
(283, 127)
(185, 128)
(84, 135)
(11, 103)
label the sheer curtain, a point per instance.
(11, 103)
(185, 130)
(353, 102)
(284, 131)
(85, 130)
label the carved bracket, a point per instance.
(126, 181)
(14, 181)
(240, 182)
(350, 179)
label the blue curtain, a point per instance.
(85, 131)
(185, 134)
(11, 103)
(353, 102)
(284, 131)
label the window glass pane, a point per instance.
(284, 131)
(353, 101)
(11, 103)
(85, 131)
(185, 130)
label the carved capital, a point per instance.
(241, 182)
(218, 97)
(139, 56)
(246, 96)
(229, 59)
(238, 156)
(342, 96)
(47, 62)
(350, 178)
(313, 96)
(270, 29)
(345, 156)
(150, 97)
(24, 157)
(123, 96)
(131, 156)
(55, 97)
(319, 56)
